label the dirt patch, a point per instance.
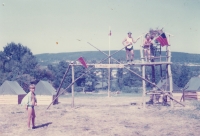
(115, 116)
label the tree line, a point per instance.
(17, 63)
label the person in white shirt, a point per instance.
(128, 43)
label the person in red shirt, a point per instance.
(146, 46)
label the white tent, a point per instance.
(11, 93)
(45, 93)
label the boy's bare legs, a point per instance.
(145, 54)
(149, 54)
(132, 55)
(33, 118)
(29, 116)
(127, 55)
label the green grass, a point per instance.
(189, 113)
(196, 104)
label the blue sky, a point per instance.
(39, 24)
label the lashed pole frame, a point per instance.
(72, 86)
(142, 77)
(109, 70)
(81, 77)
(169, 71)
(62, 80)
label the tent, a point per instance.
(11, 93)
(192, 90)
(45, 93)
(176, 91)
(193, 84)
(164, 84)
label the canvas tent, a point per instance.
(164, 84)
(45, 93)
(192, 90)
(176, 91)
(193, 84)
(11, 93)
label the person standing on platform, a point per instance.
(128, 43)
(146, 46)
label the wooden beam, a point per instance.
(63, 80)
(72, 87)
(133, 64)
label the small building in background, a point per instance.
(193, 84)
(11, 93)
(192, 89)
(45, 93)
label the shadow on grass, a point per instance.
(43, 125)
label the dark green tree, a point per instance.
(120, 78)
(132, 80)
(17, 61)
(90, 80)
(57, 72)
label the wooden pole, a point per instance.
(143, 87)
(62, 80)
(143, 76)
(153, 74)
(72, 87)
(109, 66)
(170, 75)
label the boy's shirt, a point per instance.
(30, 100)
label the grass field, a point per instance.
(103, 116)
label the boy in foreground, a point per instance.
(32, 101)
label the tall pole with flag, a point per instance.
(109, 62)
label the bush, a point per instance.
(78, 89)
(127, 89)
(137, 89)
(114, 88)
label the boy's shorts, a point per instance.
(30, 106)
(146, 46)
(129, 49)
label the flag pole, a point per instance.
(109, 63)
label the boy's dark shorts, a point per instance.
(129, 49)
(31, 106)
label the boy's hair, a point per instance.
(147, 34)
(31, 86)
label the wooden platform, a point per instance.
(132, 64)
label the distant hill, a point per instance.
(54, 58)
